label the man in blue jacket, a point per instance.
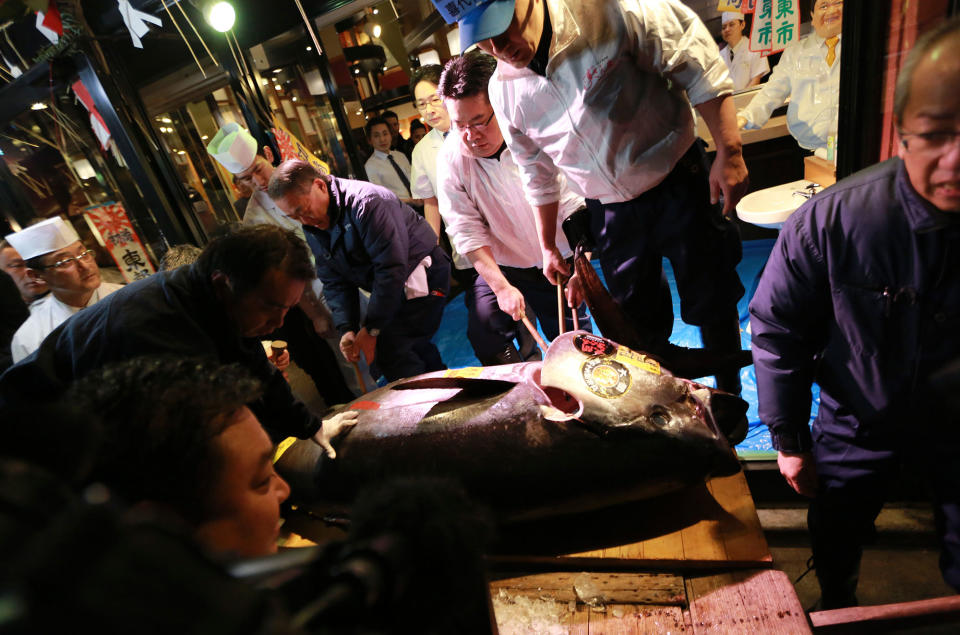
(861, 295)
(363, 237)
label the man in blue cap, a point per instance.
(601, 91)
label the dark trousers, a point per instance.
(537, 292)
(855, 475)
(314, 356)
(674, 220)
(488, 337)
(404, 347)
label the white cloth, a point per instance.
(380, 171)
(423, 170)
(812, 86)
(46, 314)
(607, 117)
(416, 284)
(746, 64)
(482, 204)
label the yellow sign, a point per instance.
(637, 360)
(470, 372)
(293, 148)
(729, 5)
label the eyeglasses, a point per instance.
(476, 127)
(434, 100)
(936, 141)
(66, 262)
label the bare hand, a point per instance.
(800, 471)
(282, 361)
(511, 302)
(574, 291)
(334, 427)
(728, 175)
(348, 346)
(554, 265)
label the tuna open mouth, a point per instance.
(569, 407)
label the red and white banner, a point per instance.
(96, 121)
(117, 234)
(292, 148)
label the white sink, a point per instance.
(771, 207)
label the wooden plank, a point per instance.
(622, 588)
(762, 601)
(888, 616)
(728, 531)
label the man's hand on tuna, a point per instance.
(332, 428)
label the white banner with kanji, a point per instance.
(776, 23)
(110, 221)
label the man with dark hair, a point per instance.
(417, 132)
(239, 289)
(386, 167)
(860, 295)
(363, 237)
(397, 142)
(32, 288)
(603, 92)
(486, 214)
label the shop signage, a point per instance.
(112, 224)
(776, 23)
(293, 148)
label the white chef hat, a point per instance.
(43, 238)
(234, 148)
(730, 15)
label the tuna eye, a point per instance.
(660, 418)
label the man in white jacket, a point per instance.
(483, 205)
(53, 253)
(603, 92)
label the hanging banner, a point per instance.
(293, 148)
(96, 120)
(776, 23)
(117, 234)
(729, 5)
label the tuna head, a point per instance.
(623, 392)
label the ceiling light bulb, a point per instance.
(376, 30)
(221, 16)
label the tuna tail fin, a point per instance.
(684, 362)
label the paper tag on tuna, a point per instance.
(605, 377)
(469, 372)
(593, 345)
(637, 360)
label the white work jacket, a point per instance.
(614, 110)
(482, 205)
(745, 64)
(812, 86)
(423, 170)
(46, 314)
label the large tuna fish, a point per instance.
(592, 425)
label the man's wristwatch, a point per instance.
(373, 332)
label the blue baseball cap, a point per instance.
(479, 19)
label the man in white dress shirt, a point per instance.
(483, 205)
(388, 168)
(746, 67)
(53, 252)
(809, 74)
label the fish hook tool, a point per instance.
(536, 335)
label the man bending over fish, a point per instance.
(483, 205)
(363, 237)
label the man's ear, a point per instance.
(268, 154)
(221, 285)
(320, 183)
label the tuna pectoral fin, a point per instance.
(730, 413)
(690, 363)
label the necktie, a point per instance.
(832, 50)
(403, 177)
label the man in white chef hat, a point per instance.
(53, 253)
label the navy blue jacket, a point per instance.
(861, 294)
(172, 313)
(374, 243)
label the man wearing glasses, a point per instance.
(861, 295)
(487, 216)
(54, 254)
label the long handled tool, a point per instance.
(536, 334)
